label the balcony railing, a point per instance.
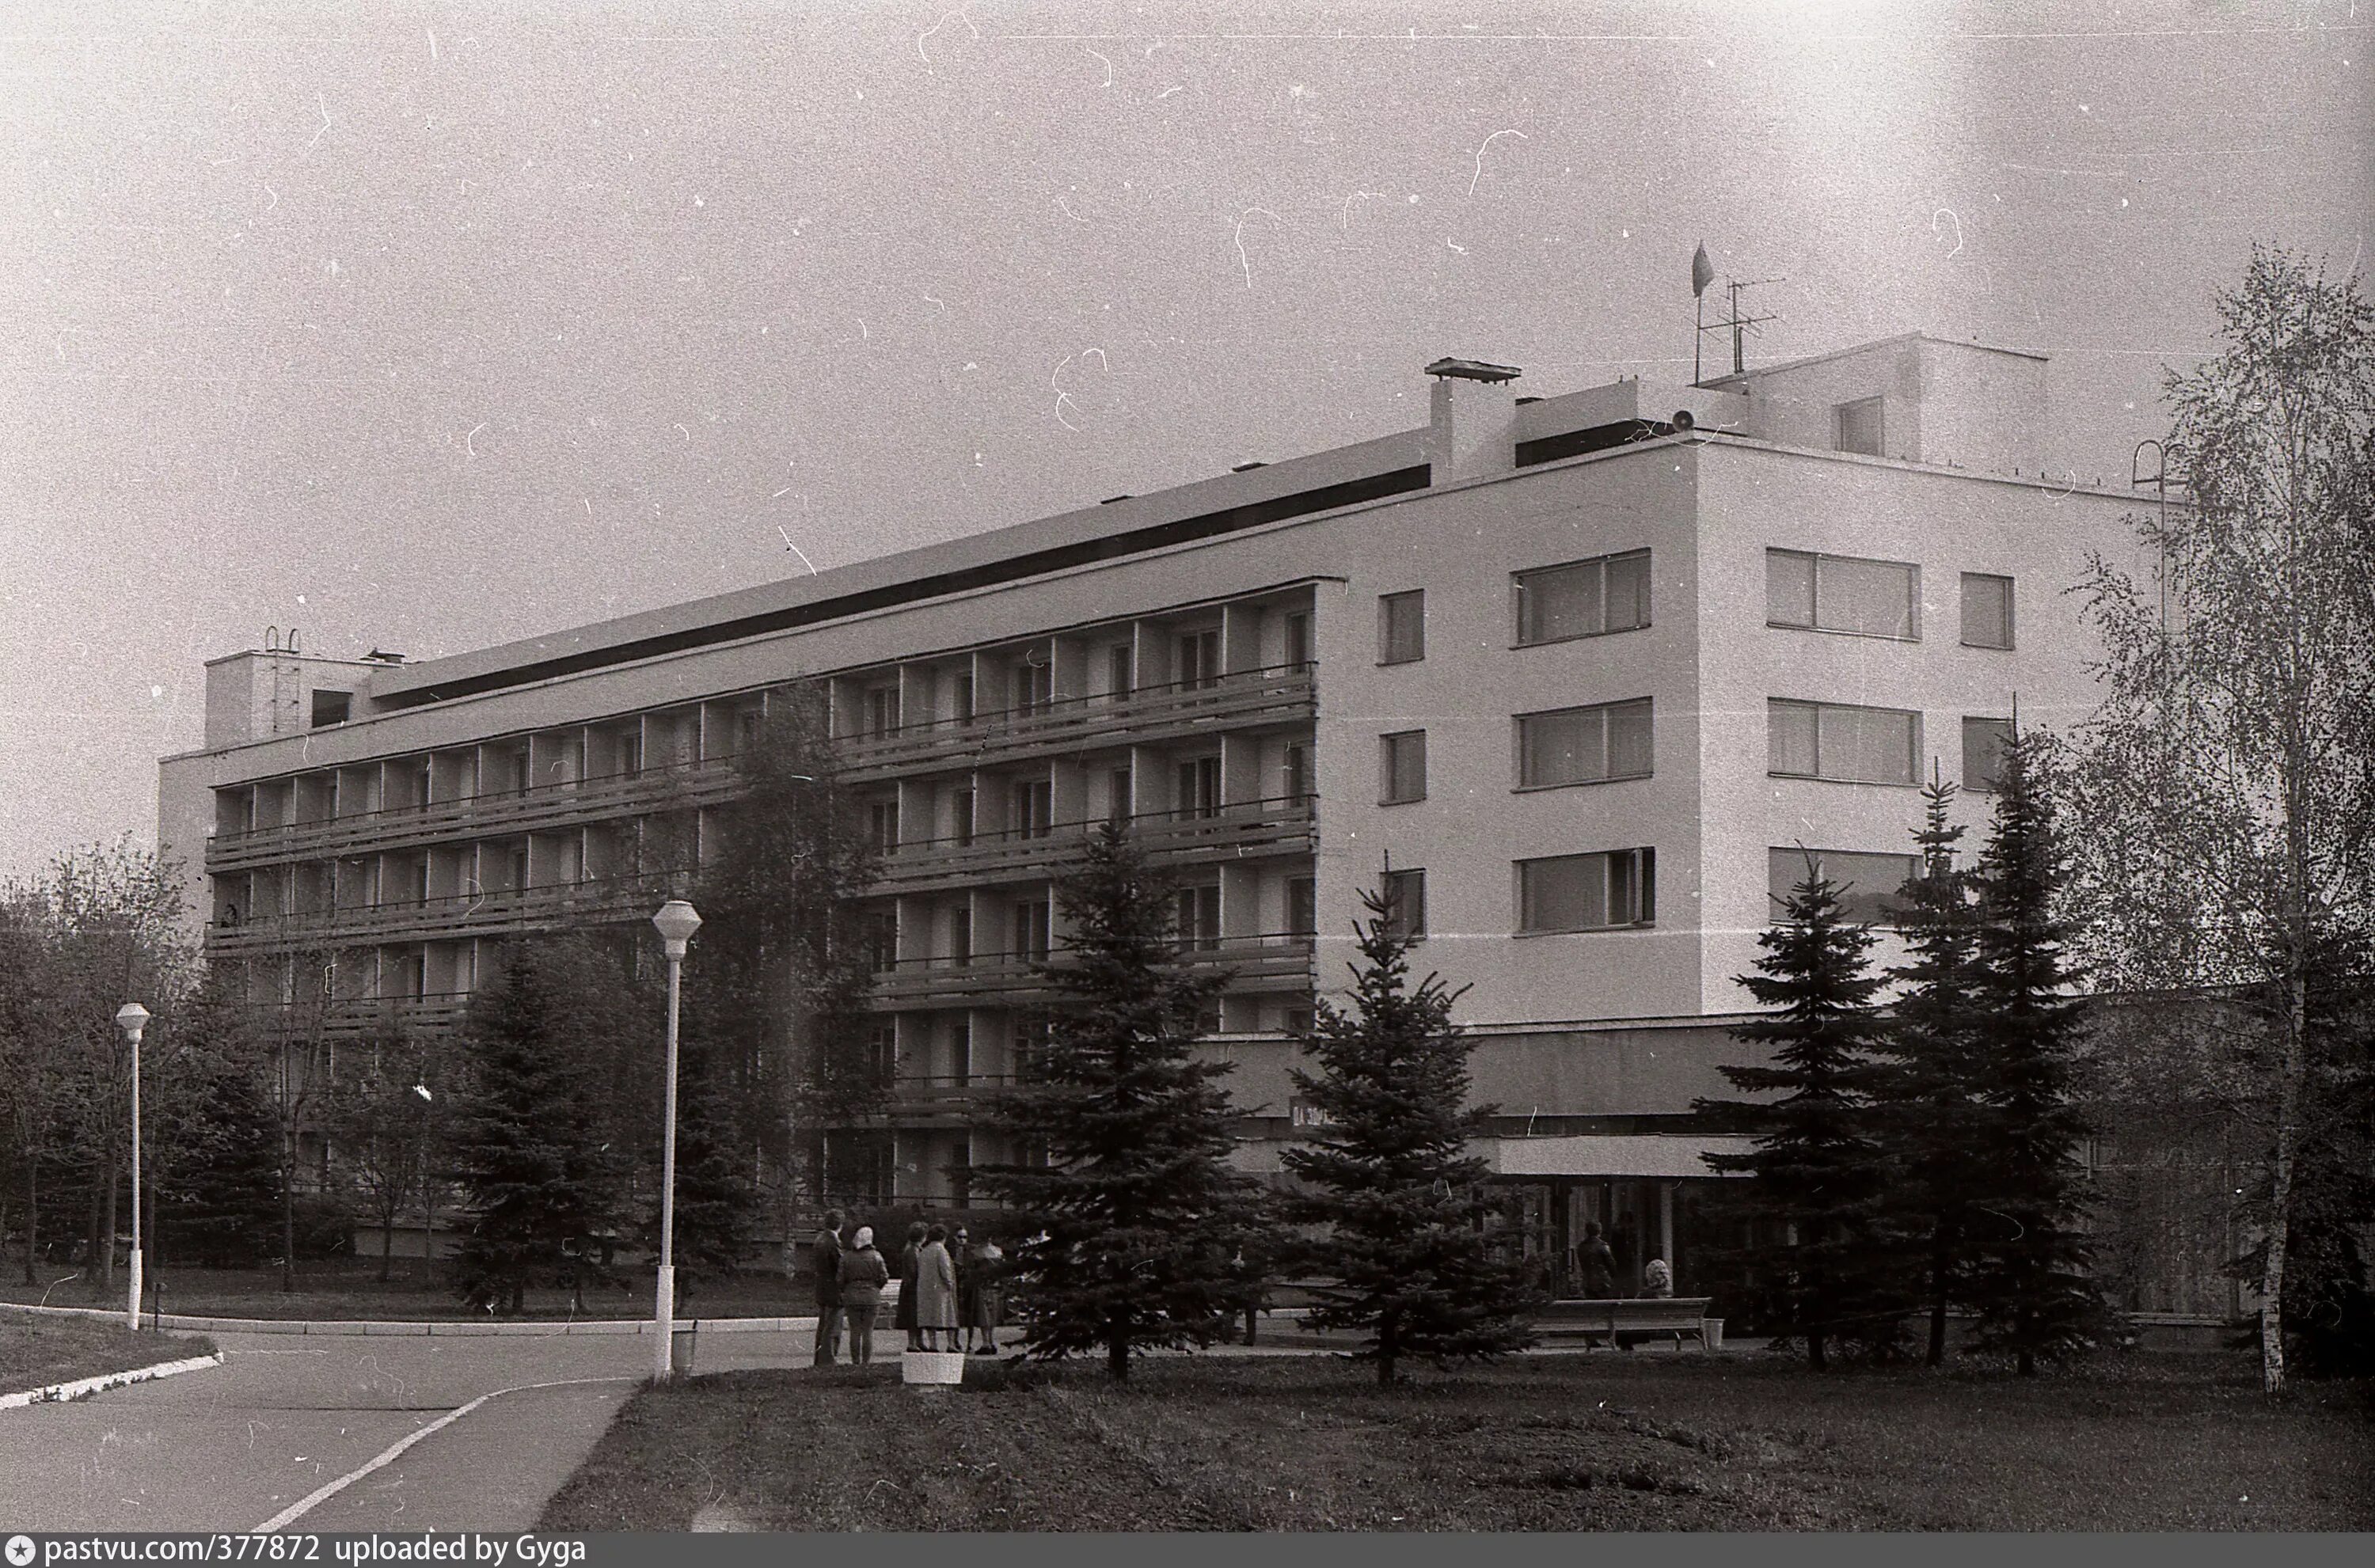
(569, 803)
(1144, 714)
(1272, 961)
(1067, 724)
(349, 1017)
(1225, 832)
(486, 912)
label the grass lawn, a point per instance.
(350, 1288)
(1544, 1443)
(34, 1355)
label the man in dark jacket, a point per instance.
(824, 1258)
(1596, 1264)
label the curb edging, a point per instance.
(84, 1387)
(416, 1329)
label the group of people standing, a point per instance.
(951, 1291)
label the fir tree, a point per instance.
(1396, 1187)
(2031, 1281)
(1926, 1112)
(1820, 1258)
(715, 1201)
(541, 1182)
(1141, 1215)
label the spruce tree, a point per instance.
(2031, 1283)
(1925, 1111)
(714, 1200)
(542, 1184)
(1140, 1214)
(1820, 1255)
(1399, 1194)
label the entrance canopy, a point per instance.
(1651, 1155)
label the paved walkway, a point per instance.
(234, 1446)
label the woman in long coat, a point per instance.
(986, 1284)
(909, 1256)
(936, 1292)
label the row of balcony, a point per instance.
(1144, 714)
(1267, 961)
(1275, 826)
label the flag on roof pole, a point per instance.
(1702, 271)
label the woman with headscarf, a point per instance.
(908, 1284)
(936, 1292)
(986, 1281)
(863, 1275)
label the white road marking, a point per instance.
(395, 1451)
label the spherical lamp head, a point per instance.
(676, 923)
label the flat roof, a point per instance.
(1868, 348)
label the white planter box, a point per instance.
(931, 1369)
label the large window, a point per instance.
(1987, 610)
(1401, 627)
(1405, 893)
(1588, 892)
(1858, 426)
(1401, 768)
(1870, 884)
(1302, 906)
(1200, 916)
(1583, 599)
(1571, 746)
(1983, 746)
(1837, 592)
(1832, 740)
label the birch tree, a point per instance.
(2221, 795)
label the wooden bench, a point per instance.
(1652, 1316)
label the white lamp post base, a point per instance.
(132, 1313)
(664, 1321)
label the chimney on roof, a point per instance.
(1473, 412)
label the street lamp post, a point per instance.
(131, 1018)
(676, 922)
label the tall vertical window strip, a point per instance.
(1837, 593)
(1572, 746)
(1405, 894)
(1987, 610)
(1297, 638)
(1403, 767)
(1832, 740)
(1583, 599)
(1401, 627)
(1870, 883)
(1588, 892)
(1984, 747)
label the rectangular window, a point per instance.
(1870, 883)
(1987, 610)
(1405, 893)
(1034, 808)
(1297, 781)
(961, 934)
(1583, 599)
(881, 941)
(1035, 687)
(1200, 916)
(1199, 659)
(1401, 767)
(1033, 929)
(1837, 593)
(1117, 797)
(882, 709)
(1832, 740)
(882, 825)
(1984, 747)
(1588, 892)
(1856, 427)
(331, 707)
(1572, 746)
(1401, 627)
(1302, 906)
(1117, 669)
(960, 694)
(961, 816)
(1298, 642)
(1199, 788)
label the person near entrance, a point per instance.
(1596, 1264)
(824, 1256)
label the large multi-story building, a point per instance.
(1580, 679)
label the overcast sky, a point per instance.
(420, 327)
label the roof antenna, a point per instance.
(1702, 273)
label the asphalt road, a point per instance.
(231, 1447)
